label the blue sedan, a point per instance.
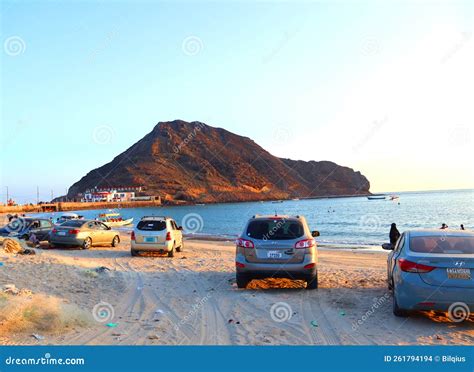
(432, 270)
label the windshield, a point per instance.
(442, 244)
(275, 229)
(151, 225)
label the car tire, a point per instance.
(87, 243)
(171, 253)
(397, 311)
(242, 280)
(312, 282)
(115, 241)
(181, 247)
(134, 253)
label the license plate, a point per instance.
(456, 273)
(274, 254)
(62, 233)
(149, 240)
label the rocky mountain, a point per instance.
(193, 161)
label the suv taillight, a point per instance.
(168, 236)
(307, 243)
(132, 235)
(54, 231)
(413, 267)
(244, 243)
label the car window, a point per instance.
(101, 226)
(275, 229)
(151, 225)
(45, 224)
(92, 225)
(173, 224)
(442, 244)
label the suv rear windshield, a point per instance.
(277, 229)
(151, 225)
(442, 244)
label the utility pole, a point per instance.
(7, 196)
(52, 195)
(37, 195)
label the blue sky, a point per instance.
(383, 87)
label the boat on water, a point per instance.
(277, 201)
(68, 216)
(114, 219)
(394, 197)
(377, 197)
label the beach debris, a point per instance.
(27, 251)
(237, 322)
(314, 323)
(342, 313)
(153, 337)
(159, 311)
(111, 325)
(101, 269)
(10, 288)
(184, 258)
(230, 321)
(90, 274)
(37, 336)
(438, 337)
(12, 246)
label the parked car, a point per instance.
(22, 227)
(276, 246)
(157, 234)
(431, 270)
(83, 233)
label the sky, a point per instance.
(385, 88)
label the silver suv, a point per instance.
(276, 246)
(159, 234)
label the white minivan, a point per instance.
(157, 234)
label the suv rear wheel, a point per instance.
(171, 253)
(242, 280)
(312, 282)
(181, 247)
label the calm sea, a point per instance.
(349, 222)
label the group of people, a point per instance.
(394, 234)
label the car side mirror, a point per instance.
(180, 227)
(388, 246)
(314, 233)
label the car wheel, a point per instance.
(115, 241)
(312, 282)
(87, 243)
(171, 253)
(397, 311)
(133, 252)
(181, 247)
(242, 280)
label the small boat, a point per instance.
(114, 219)
(68, 216)
(277, 201)
(377, 197)
(394, 197)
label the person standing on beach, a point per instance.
(462, 227)
(443, 226)
(394, 234)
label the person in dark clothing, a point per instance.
(462, 227)
(394, 234)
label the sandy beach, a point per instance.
(193, 299)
